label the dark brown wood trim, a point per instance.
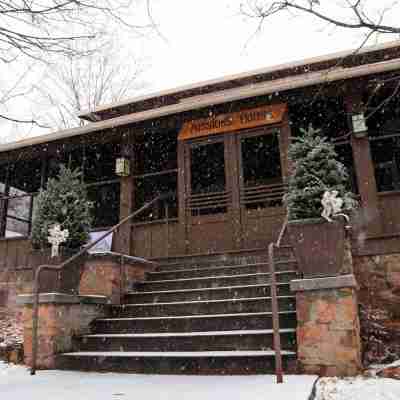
(182, 188)
(364, 168)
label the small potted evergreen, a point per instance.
(63, 204)
(317, 234)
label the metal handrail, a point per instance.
(85, 249)
(274, 304)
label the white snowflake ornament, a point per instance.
(56, 237)
(332, 204)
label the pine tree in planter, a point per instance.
(64, 202)
(318, 244)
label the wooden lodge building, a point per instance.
(219, 149)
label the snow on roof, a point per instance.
(219, 97)
(259, 71)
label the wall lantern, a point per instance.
(359, 125)
(122, 166)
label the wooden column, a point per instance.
(124, 235)
(371, 219)
(232, 165)
(284, 142)
(182, 212)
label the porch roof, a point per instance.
(328, 75)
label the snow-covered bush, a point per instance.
(64, 202)
(316, 170)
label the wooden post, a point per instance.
(124, 235)
(232, 172)
(182, 212)
(285, 135)
(364, 168)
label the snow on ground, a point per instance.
(17, 384)
(359, 388)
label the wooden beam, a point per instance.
(124, 236)
(182, 189)
(233, 185)
(363, 164)
(284, 142)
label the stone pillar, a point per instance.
(61, 317)
(112, 275)
(328, 330)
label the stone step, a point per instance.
(193, 323)
(187, 341)
(226, 306)
(184, 363)
(218, 271)
(227, 258)
(229, 292)
(215, 281)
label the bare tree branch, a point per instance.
(264, 9)
(78, 84)
(23, 121)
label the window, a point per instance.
(103, 187)
(261, 169)
(329, 115)
(207, 168)
(208, 182)
(23, 184)
(155, 172)
(384, 136)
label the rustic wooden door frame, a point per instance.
(259, 131)
(229, 186)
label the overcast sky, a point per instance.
(206, 39)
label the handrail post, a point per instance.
(275, 315)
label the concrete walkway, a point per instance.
(17, 384)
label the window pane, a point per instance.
(261, 160)
(105, 199)
(386, 159)
(3, 176)
(16, 228)
(99, 162)
(208, 168)
(25, 177)
(148, 188)
(156, 152)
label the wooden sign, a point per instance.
(232, 122)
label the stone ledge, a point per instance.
(121, 258)
(61, 298)
(332, 282)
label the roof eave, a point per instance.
(280, 85)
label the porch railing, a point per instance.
(36, 287)
(266, 194)
(274, 305)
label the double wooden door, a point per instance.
(233, 190)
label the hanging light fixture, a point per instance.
(122, 166)
(359, 125)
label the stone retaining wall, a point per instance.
(378, 278)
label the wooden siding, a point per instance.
(389, 205)
(150, 240)
(261, 227)
(14, 253)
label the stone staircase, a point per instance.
(196, 315)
